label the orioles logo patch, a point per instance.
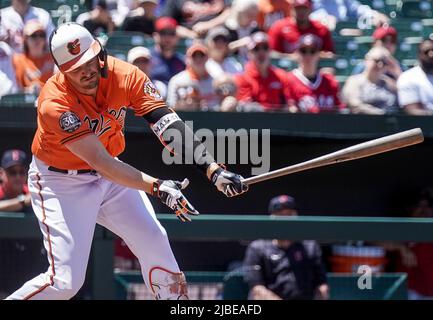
(69, 121)
(74, 47)
(151, 90)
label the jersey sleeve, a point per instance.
(62, 123)
(144, 96)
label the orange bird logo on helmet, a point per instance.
(74, 47)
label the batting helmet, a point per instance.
(72, 45)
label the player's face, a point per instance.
(15, 177)
(85, 78)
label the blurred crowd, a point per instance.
(228, 62)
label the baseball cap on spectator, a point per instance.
(13, 157)
(217, 32)
(165, 23)
(281, 202)
(309, 41)
(32, 26)
(196, 47)
(302, 3)
(256, 39)
(138, 52)
(383, 31)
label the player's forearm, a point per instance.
(124, 174)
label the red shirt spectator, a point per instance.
(310, 90)
(420, 275)
(285, 33)
(314, 97)
(261, 82)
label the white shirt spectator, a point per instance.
(7, 72)
(415, 86)
(230, 65)
(183, 79)
(13, 24)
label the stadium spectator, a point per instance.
(225, 89)
(7, 71)
(220, 61)
(241, 24)
(282, 269)
(166, 62)
(372, 91)
(330, 12)
(385, 36)
(142, 19)
(415, 86)
(98, 21)
(261, 82)
(285, 33)
(197, 56)
(272, 10)
(188, 13)
(416, 259)
(17, 15)
(14, 194)
(35, 66)
(188, 96)
(142, 59)
(118, 9)
(309, 90)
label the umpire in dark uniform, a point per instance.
(283, 269)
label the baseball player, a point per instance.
(75, 179)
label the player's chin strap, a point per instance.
(167, 285)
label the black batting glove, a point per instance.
(169, 192)
(228, 182)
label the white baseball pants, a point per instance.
(68, 208)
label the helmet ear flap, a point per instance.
(102, 55)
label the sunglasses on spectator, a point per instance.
(263, 47)
(220, 39)
(167, 32)
(38, 35)
(305, 51)
(14, 173)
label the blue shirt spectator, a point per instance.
(166, 62)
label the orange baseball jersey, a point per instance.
(65, 115)
(32, 71)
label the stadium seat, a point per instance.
(284, 63)
(123, 41)
(421, 9)
(18, 100)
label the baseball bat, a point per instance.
(361, 150)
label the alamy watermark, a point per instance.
(364, 280)
(228, 146)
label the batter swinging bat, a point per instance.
(361, 150)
